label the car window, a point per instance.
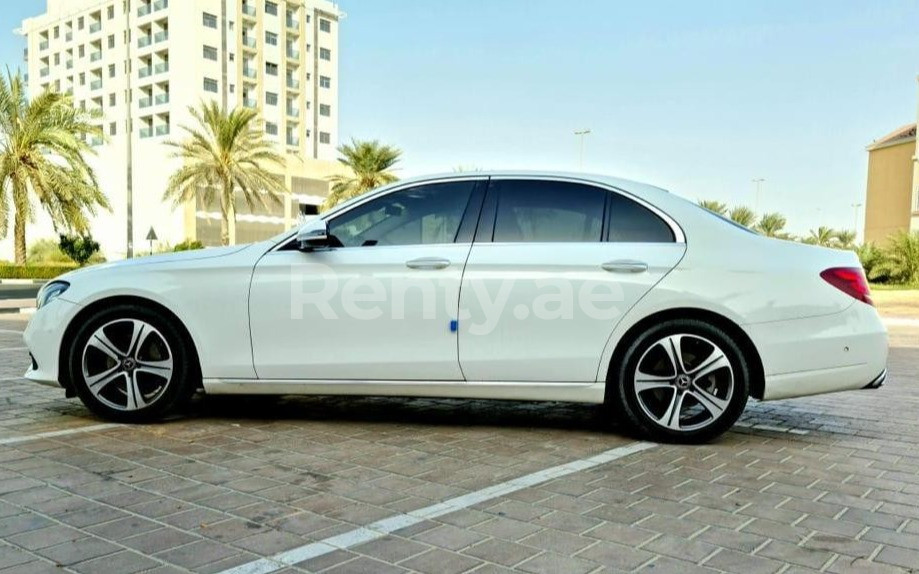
(416, 216)
(629, 222)
(547, 211)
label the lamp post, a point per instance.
(758, 182)
(857, 206)
(581, 134)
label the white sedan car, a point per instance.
(521, 286)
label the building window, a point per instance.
(80, 23)
(271, 129)
(111, 11)
(57, 59)
(271, 8)
(82, 51)
(57, 32)
(271, 98)
(210, 85)
(325, 137)
(111, 41)
(111, 100)
(325, 25)
(271, 38)
(325, 82)
(325, 110)
(209, 20)
(111, 70)
(82, 79)
(271, 69)
(112, 129)
(210, 53)
(325, 54)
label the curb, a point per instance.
(17, 311)
(23, 281)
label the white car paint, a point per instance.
(236, 305)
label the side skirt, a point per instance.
(523, 391)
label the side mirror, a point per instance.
(313, 237)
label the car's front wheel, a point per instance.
(130, 364)
(681, 381)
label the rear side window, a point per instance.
(630, 222)
(547, 211)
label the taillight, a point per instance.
(849, 280)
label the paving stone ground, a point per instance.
(828, 484)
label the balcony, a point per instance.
(144, 41)
(144, 72)
(95, 141)
(145, 102)
(293, 53)
(161, 68)
(293, 83)
(250, 72)
(146, 132)
(95, 56)
(293, 141)
(95, 27)
(292, 23)
(44, 72)
(293, 112)
(161, 99)
(250, 103)
(144, 10)
(68, 64)
(162, 130)
(249, 11)
(161, 36)
(95, 85)
(249, 42)
(160, 5)
(43, 45)
(68, 36)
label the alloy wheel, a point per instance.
(684, 382)
(127, 364)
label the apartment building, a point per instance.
(892, 201)
(142, 63)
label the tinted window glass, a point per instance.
(530, 211)
(415, 216)
(630, 222)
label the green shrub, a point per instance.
(34, 271)
(78, 248)
(900, 262)
(189, 245)
(45, 251)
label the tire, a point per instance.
(693, 400)
(131, 343)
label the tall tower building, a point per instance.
(143, 63)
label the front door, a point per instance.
(379, 307)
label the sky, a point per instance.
(700, 97)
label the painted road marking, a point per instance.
(386, 526)
(53, 434)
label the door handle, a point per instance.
(625, 266)
(428, 263)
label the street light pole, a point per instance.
(581, 134)
(758, 182)
(857, 206)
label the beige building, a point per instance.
(891, 202)
(142, 63)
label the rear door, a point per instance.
(554, 266)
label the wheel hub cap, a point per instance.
(683, 381)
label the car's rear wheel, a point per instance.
(130, 364)
(680, 381)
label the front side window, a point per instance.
(629, 222)
(428, 214)
(547, 211)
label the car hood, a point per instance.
(161, 260)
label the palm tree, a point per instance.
(845, 239)
(743, 216)
(901, 258)
(871, 259)
(823, 236)
(226, 152)
(42, 149)
(714, 206)
(369, 162)
(772, 225)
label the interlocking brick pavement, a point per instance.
(828, 484)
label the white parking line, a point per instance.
(901, 322)
(386, 526)
(57, 433)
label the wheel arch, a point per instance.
(89, 310)
(743, 340)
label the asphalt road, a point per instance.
(18, 291)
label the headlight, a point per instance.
(49, 291)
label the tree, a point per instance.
(772, 225)
(823, 236)
(226, 152)
(42, 149)
(714, 206)
(369, 162)
(79, 248)
(901, 258)
(743, 216)
(872, 260)
(845, 239)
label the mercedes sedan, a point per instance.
(515, 286)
